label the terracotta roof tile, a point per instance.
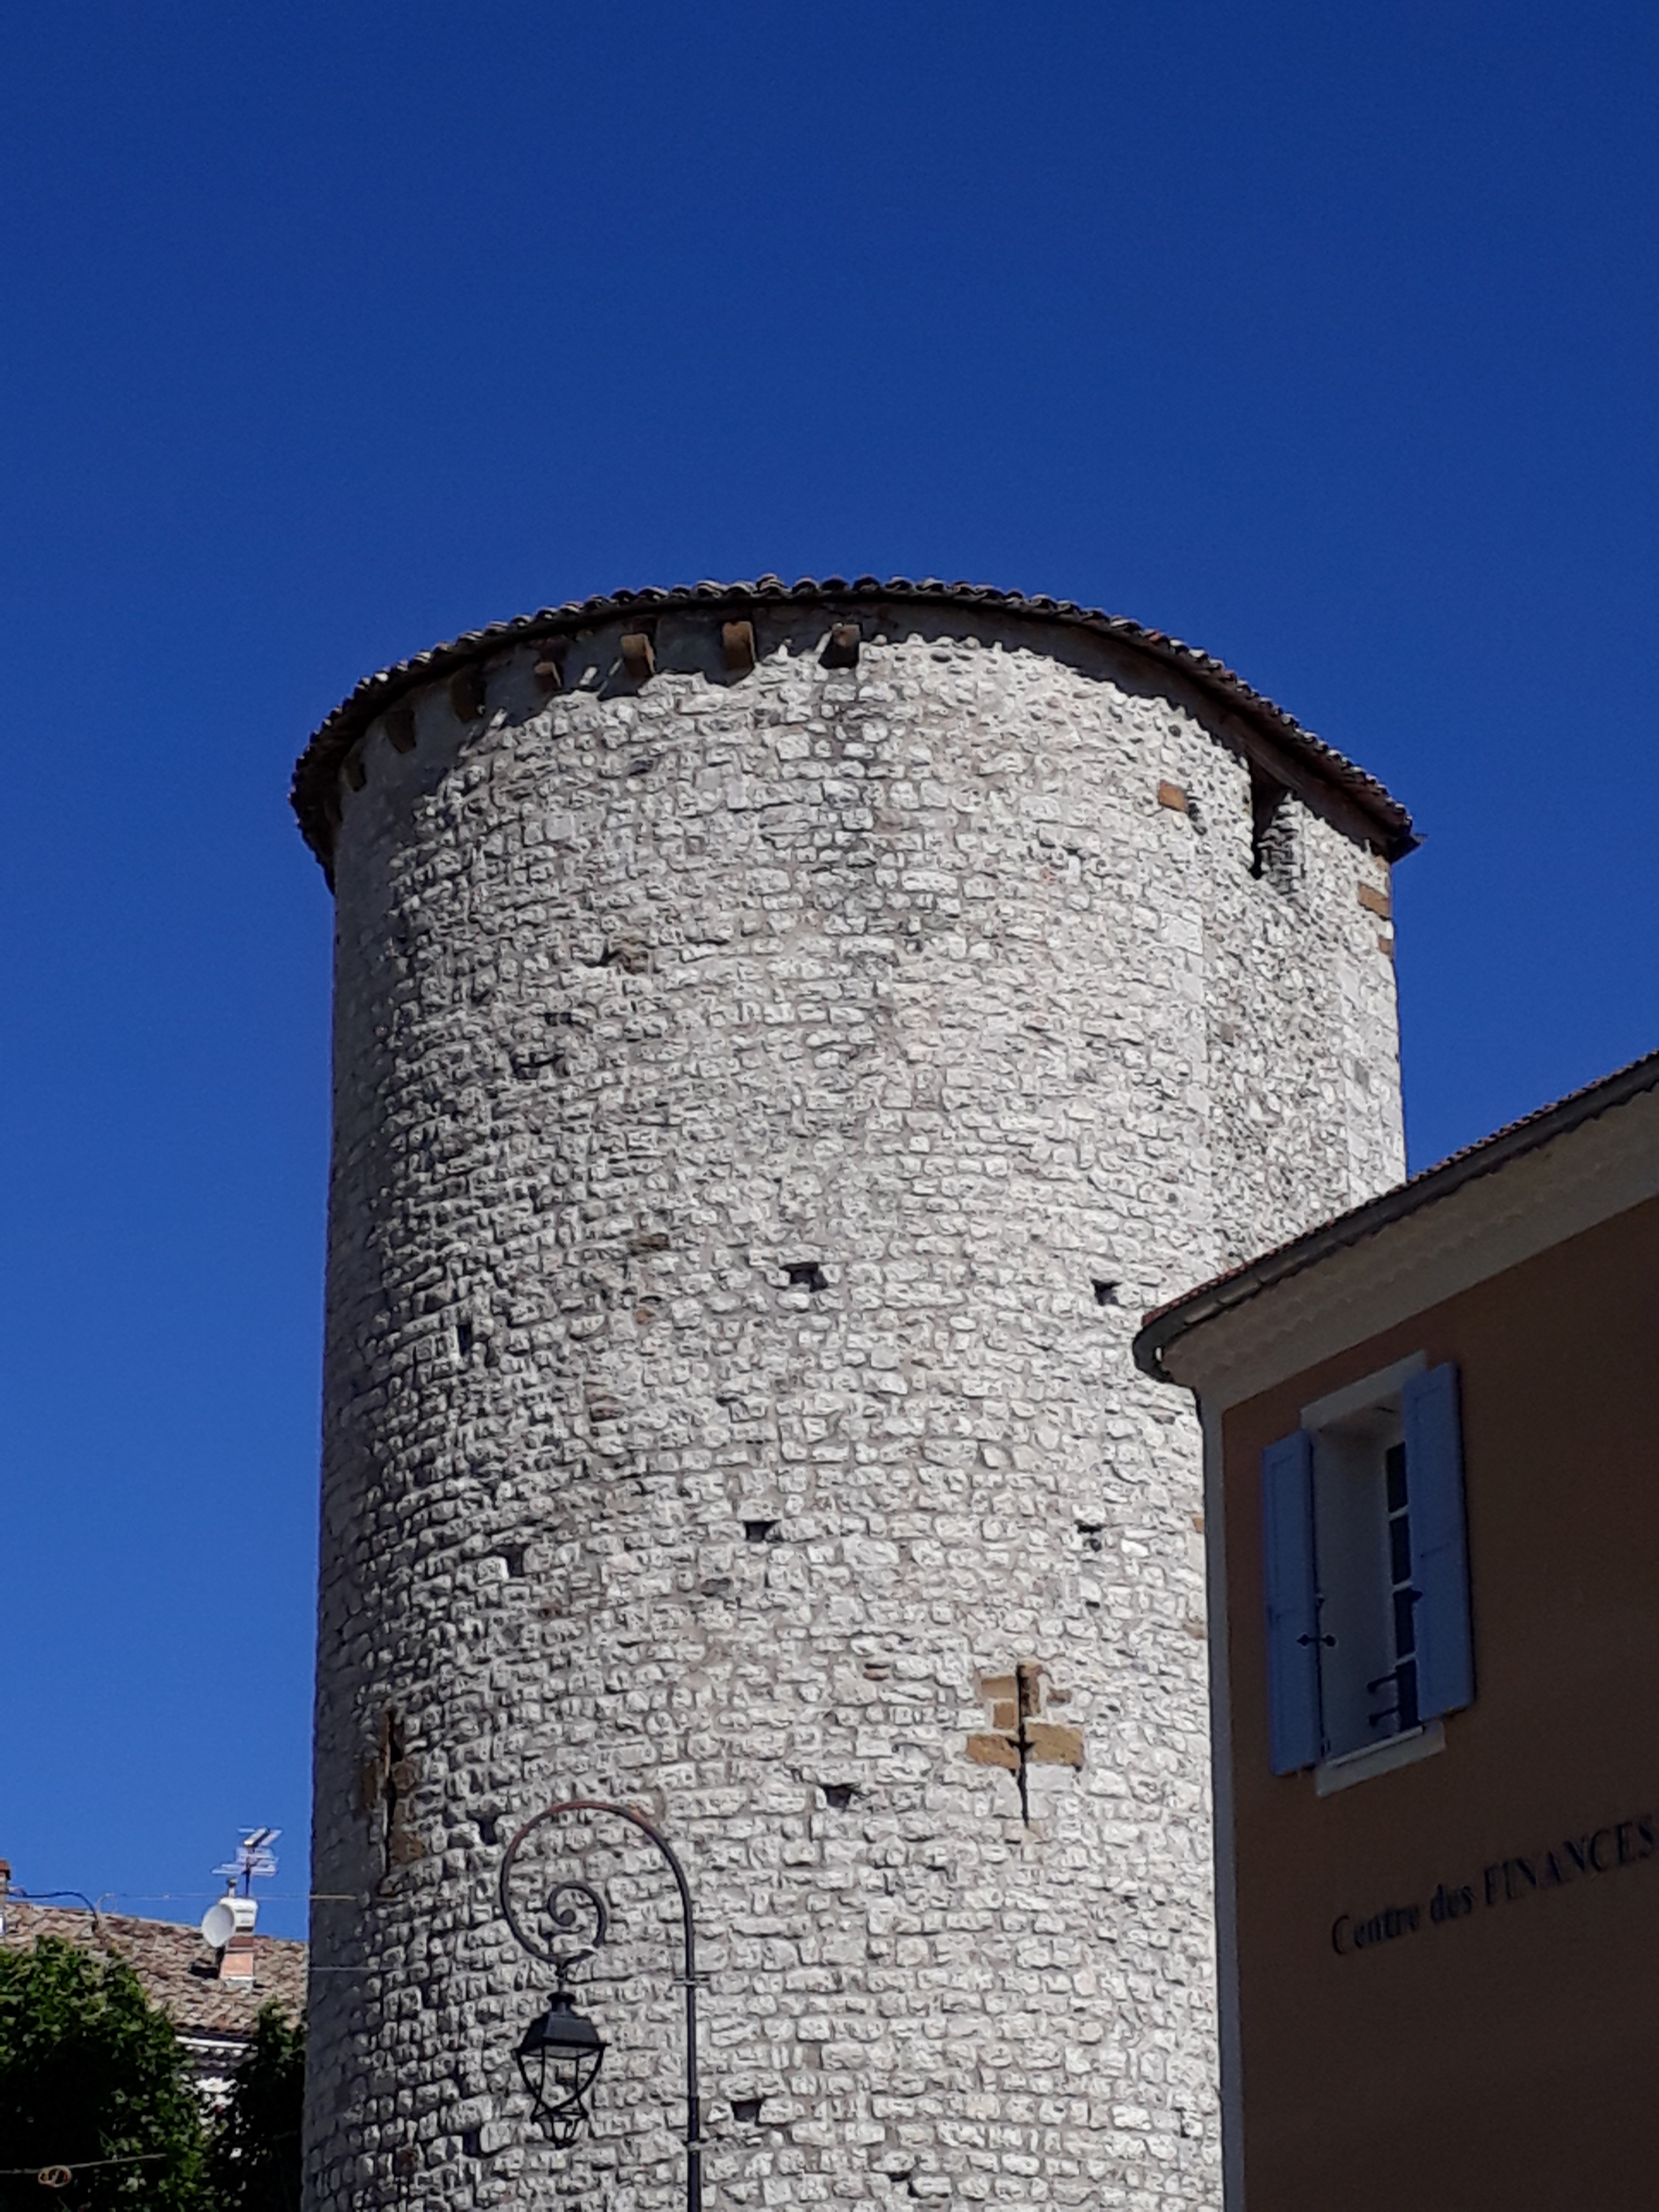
(319, 767)
(175, 1964)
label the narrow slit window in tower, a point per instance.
(1272, 831)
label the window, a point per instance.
(1367, 1580)
(1273, 855)
(1402, 1592)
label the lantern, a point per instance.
(559, 2059)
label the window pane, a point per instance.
(1407, 1678)
(1400, 1549)
(1394, 1461)
(1405, 1634)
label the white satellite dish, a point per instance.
(231, 1916)
(235, 1916)
(218, 1924)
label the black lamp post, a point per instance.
(562, 2051)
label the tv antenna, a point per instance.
(254, 1860)
(228, 1925)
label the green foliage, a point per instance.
(91, 2069)
(255, 2162)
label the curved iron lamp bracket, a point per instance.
(564, 1905)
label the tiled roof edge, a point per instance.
(318, 766)
(1165, 1325)
(166, 1956)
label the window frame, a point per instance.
(1363, 1552)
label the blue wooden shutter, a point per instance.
(1440, 1569)
(1292, 1603)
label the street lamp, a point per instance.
(561, 2052)
(560, 2058)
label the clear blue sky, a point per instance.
(1322, 336)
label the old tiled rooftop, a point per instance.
(175, 1966)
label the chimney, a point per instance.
(236, 1960)
(229, 1927)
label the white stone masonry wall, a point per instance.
(764, 1105)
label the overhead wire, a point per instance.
(68, 2166)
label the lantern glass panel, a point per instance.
(559, 2059)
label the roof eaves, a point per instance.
(1166, 1324)
(319, 764)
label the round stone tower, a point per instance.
(785, 1036)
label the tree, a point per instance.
(92, 2077)
(254, 2164)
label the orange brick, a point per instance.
(1049, 1745)
(994, 1751)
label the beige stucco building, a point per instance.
(1433, 1525)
